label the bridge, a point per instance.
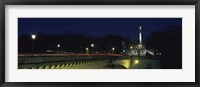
(80, 61)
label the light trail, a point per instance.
(70, 55)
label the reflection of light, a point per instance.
(123, 50)
(125, 62)
(136, 61)
(86, 48)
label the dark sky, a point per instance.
(127, 27)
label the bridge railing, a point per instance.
(79, 64)
(63, 61)
(37, 58)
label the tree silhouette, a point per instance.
(169, 43)
(70, 42)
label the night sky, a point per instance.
(127, 27)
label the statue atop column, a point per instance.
(140, 49)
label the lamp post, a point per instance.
(87, 50)
(136, 62)
(113, 49)
(131, 47)
(33, 36)
(92, 45)
(58, 47)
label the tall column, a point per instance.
(140, 34)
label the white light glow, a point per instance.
(136, 61)
(92, 45)
(58, 45)
(33, 36)
(113, 48)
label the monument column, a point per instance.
(140, 34)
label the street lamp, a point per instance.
(92, 49)
(92, 45)
(131, 47)
(136, 62)
(33, 36)
(58, 45)
(113, 49)
(87, 50)
(123, 51)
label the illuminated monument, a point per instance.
(140, 49)
(140, 46)
(140, 57)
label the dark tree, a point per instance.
(169, 43)
(70, 42)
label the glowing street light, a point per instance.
(131, 47)
(33, 36)
(113, 49)
(136, 62)
(124, 50)
(92, 45)
(92, 49)
(58, 45)
(87, 50)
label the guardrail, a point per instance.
(38, 58)
(62, 61)
(85, 61)
(78, 64)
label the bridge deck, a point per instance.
(80, 61)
